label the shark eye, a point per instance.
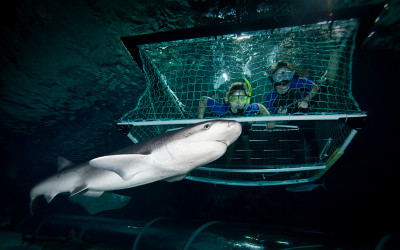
(207, 126)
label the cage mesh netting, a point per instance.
(179, 73)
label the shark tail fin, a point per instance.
(39, 201)
(35, 203)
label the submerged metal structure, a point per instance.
(181, 66)
(83, 232)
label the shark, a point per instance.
(169, 157)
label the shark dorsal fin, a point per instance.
(63, 163)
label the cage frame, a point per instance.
(365, 15)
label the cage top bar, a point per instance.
(247, 119)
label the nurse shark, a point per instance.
(169, 156)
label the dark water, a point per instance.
(66, 79)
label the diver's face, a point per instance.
(282, 78)
(282, 87)
(238, 99)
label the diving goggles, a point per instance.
(236, 98)
(284, 75)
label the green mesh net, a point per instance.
(179, 73)
(302, 146)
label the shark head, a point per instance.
(202, 143)
(222, 131)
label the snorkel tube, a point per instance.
(249, 89)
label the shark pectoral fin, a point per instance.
(126, 166)
(175, 178)
(108, 201)
(49, 198)
(77, 190)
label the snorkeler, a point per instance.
(236, 103)
(291, 93)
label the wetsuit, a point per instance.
(224, 109)
(298, 90)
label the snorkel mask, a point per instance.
(238, 97)
(286, 75)
(281, 73)
(244, 89)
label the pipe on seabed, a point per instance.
(172, 233)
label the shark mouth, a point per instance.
(224, 142)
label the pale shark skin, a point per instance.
(169, 156)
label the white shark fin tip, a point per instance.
(49, 198)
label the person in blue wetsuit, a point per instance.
(290, 94)
(236, 103)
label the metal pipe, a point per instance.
(323, 117)
(170, 233)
